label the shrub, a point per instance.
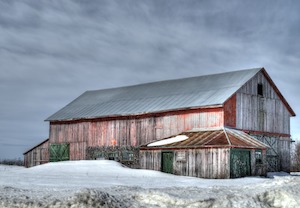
(295, 166)
(17, 162)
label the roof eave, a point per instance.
(36, 146)
(137, 114)
(278, 92)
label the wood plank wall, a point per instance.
(129, 132)
(258, 169)
(267, 113)
(37, 156)
(279, 151)
(203, 163)
(230, 112)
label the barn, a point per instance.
(115, 123)
(207, 153)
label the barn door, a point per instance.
(272, 152)
(167, 162)
(239, 163)
(59, 152)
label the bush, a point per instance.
(17, 162)
(295, 166)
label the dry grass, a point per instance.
(17, 162)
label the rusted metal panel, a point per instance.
(212, 138)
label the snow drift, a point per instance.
(109, 184)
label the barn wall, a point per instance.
(278, 155)
(203, 163)
(130, 131)
(150, 159)
(37, 156)
(230, 112)
(265, 113)
(258, 169)
(268, 119)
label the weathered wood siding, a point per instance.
(150, 159)
(258, 169)
(129, 131)
(203, 163)
(265, 113)
(37, 156)
(278, 155)
(230, 112)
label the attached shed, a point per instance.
(207, 153)
(37, 155)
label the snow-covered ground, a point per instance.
(103, 183)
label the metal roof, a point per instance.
(36, 146)
(153, 97)
(209, 138)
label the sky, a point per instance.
(53, 51)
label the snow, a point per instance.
(178, 138)
(103, 183)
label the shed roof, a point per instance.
(36, 146)
(160, 96)
(209, 138)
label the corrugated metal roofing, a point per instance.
(161, 96)
(204, 138)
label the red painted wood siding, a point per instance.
(130, 131)
(230, 112)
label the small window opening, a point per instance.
(260, 89)
(258, 157)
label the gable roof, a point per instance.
(163, 96)
(210, 138)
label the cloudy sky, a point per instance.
(52, 51)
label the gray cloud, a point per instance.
(52, 51)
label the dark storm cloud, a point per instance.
(52, 51)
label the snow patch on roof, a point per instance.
(171, 140)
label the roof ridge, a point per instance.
(176, 79)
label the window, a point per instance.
(260, 89)
(258, 156)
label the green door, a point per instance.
(59, 152)
(239, 163)
(167, 162)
